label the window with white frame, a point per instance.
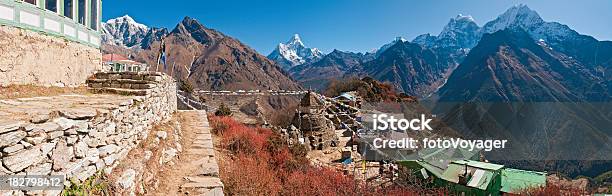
(69, 8)
(82, 11)
(51, 5)
(33, 2)
(93, 23)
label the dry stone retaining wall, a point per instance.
(78, 142)
(30, 57)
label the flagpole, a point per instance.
(172, 71)
(162, 47)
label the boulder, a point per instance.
(126, 180)
(55, 134)
(78, 114)
(9, 125)
(109, 160)
(46, 148)
(21, 160)
(62, 154)
(35, 140)
(41, 118)
(80, 149)
(11, 138)
(13, 148)
(47, 127)
(40, 169)
(107, 150)
(64, 123)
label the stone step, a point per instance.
(202, 182)
(214, 192)
(126, 75)
(120, 81)
(203, 142)
(201, 152)
(121, 91)
(201, 147)
(208, 169)
(203, 136)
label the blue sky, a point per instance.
(349, 25)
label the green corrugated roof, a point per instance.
(481, 179)
(515, 180)
(478, 177)
(452, 173)
(478, 164)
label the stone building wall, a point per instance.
(77, 142)
(28, 57)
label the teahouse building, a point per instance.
(75, 20)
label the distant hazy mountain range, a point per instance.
(423, 66)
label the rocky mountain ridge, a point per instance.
(207, 58)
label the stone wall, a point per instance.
(81, 140)
(29, 57)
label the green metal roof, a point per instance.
(478, 177)
(516, 180)
(481, 179)
(483, 176)
(478, 164)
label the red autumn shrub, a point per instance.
(264, 164)
(239, 138)
(319, 181)
(248, 176)
(220, 124)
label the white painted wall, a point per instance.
(7, 13)
(29, 18)
(52, 25)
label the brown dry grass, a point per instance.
(25, 91)
(153, 171)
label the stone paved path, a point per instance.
(196, 171)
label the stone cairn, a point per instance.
(318, 131)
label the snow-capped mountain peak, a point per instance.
(462, 17)
(295, 40)
(294, 52)
(521, 16)
(127, 20)
(460, 32)
(123, 31)
(517, 16)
